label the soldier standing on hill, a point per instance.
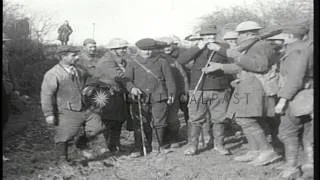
(64, 32)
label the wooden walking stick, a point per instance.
(141, 127)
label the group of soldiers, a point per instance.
(265, 85)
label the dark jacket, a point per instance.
(178, 71)
(212, 81)
(159, 87)
(59, 91)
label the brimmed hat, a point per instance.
(298, 27)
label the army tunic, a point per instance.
(296, 70)
(210, 102)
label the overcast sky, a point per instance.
(128, 19)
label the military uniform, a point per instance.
(251, 101)
(209, 104)
(154, 78)
(296, 70)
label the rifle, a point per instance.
(248, 43)
(201, 77)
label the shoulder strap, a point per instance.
(146, 69)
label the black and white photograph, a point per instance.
(158, 90)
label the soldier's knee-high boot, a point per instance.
(194, 140)
(291, 152)
(218, 132)
(159, 132)
(267, 154)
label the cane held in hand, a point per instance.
(141, 126)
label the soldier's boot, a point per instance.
(206, 138)
(308, 165)
(114, 140)
(290, 169)
(174, 138)
(253, 150)
(267, 154)
(137, 151)
(61, 151)
(194, 140)
(218, 131)
(160, 147)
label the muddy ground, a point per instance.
(29, 146)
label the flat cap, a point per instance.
(89, 41)
(208, 29)
(150, 44)
(66, 48)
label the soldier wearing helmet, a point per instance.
(254, 94)
(171, 54)
(119, 47)
(209, 104)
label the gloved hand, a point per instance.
(280, 106)
(235, 83)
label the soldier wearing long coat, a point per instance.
(296, 99)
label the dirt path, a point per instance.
(31, 157)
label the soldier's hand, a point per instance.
(235, 82)
(201, 44)
(50, 120)
(280, 106)
(213, 46)
(135, 91)
(212, 67)
(170, 99)
(184, 97)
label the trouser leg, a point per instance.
(218, 131)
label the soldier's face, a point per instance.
(232, 42)
(168, 50)
(70, 58)
(145, 53)
(121, 51)
(91, 49)
(209, 38)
